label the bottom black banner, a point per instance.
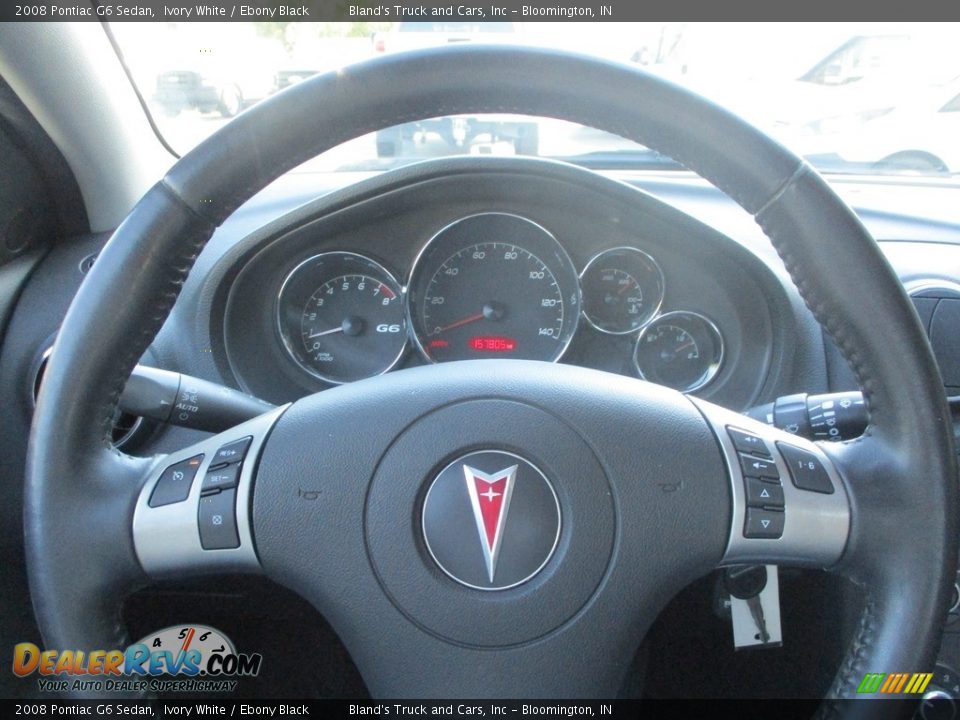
(531, 709)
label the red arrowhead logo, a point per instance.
(490, 497)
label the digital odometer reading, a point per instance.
(512, 294)
(494, 343)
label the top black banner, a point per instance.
(476, 10)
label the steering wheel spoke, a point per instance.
(584, 660)
(789, 504)
(193, 513)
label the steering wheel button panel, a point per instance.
(232, 452)
(763, 494)
(764, 523)
(806, 469)
(818, 526)
(748, 443)
(217, 520)
(175, 482)
(220, 479)
(176, 539)
(758, 467)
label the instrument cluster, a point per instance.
(488, 285)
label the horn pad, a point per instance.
(424, 534)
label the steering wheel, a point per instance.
(365, 518)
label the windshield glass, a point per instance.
(871, 98)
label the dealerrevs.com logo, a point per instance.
(180, 658)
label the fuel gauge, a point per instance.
(682, 350)
(622, 290)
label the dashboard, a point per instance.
(687, 249)
(692, 266)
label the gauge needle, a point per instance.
(458, 323)
(325, 332)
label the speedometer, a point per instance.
(493, 285)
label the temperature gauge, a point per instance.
(682, 350)
(622, 290)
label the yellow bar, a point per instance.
(914, 681)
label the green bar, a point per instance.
(871, 682)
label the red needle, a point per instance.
(458, 323)
(625, 287)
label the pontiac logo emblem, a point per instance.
(490, 497)
(508, 503)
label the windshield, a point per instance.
(872, 98)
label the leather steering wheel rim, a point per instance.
(80, 491)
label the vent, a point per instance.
(938, 304)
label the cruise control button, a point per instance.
(745, 442)
(220, 479)
(763, 524)
(232, 452)
(217, 518)
(806, 470)
(763, 494)
(758, 467)
(174, 484)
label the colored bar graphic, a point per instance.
(894, 683)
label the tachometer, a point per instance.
(493, 285)
(341, 317)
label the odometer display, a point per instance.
(493, 343)
(493, 285)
